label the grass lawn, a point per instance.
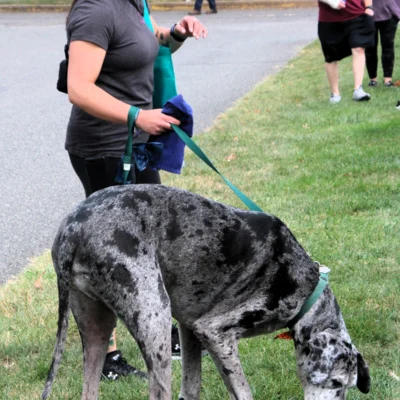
(331, 172)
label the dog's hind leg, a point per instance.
(191, 364)
(223, 349)
(95, 323)
(143, 304)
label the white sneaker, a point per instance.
(360, 95)
(335, 98)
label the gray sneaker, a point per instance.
(360, 95)
(335, 98)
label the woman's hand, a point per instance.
(369, 11)
(155, 122)
(191, 27)
(342, 4)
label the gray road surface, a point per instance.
(38, 186)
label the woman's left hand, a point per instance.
(191, 27)
(369, 11)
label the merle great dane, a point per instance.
(147, 253)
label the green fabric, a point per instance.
(323, 281)
(127, 158)
(164, 75)
(165, 89)
(196, 149)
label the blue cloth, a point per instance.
(174, 148)
(143, 155)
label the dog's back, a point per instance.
(205, 250)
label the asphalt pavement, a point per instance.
(38, 186)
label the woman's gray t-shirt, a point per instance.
(127, 71)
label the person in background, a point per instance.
(198, 4)
(111, 60)
(386, 18)
(345, 28)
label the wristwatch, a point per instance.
(175, 36)
(370, 7)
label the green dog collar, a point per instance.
(323, 281)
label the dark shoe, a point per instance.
(176, 346)
(389, 84)
(195, 12)
(116, 366)
(372, 83)
(212, 11)
(175, 343)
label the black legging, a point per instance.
(99, 173)
(387, 30)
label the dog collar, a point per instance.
(323, 281)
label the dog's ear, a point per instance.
(363, 378)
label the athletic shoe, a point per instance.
(335, 98)
(116, 366)
(176, 346)
(175, 343)
(360, 95)
(372, 83)
(398, 105)
(214, 11)
(388, 84)
(195, 12)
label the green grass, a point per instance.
(331, 172)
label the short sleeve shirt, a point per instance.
(127, 72)
(353, 9)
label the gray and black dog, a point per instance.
(147, 253)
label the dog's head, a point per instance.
(328, 365)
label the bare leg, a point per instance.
(332, 72)
(358, 66)
(112, 343)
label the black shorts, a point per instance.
(338, 38)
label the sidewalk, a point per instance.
(166, 6)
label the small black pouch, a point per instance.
(62, 85)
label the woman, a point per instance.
(386, 17)
(111, 57)
(345, 28)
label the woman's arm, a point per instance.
(368, 7)
(85, 61)
(188, 27)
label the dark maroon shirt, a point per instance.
(354, 8)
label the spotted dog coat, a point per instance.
(145, 253)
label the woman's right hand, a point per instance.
(155, 122)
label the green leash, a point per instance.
(199, 153)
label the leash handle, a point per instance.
(127, 158)
(196, 149)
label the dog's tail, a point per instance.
(63, 253)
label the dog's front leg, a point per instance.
(191, 364)
(223, 348)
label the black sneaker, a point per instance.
(175, 343)
(389, 84)
(372, 83)
(176, 346)
(116, 366)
